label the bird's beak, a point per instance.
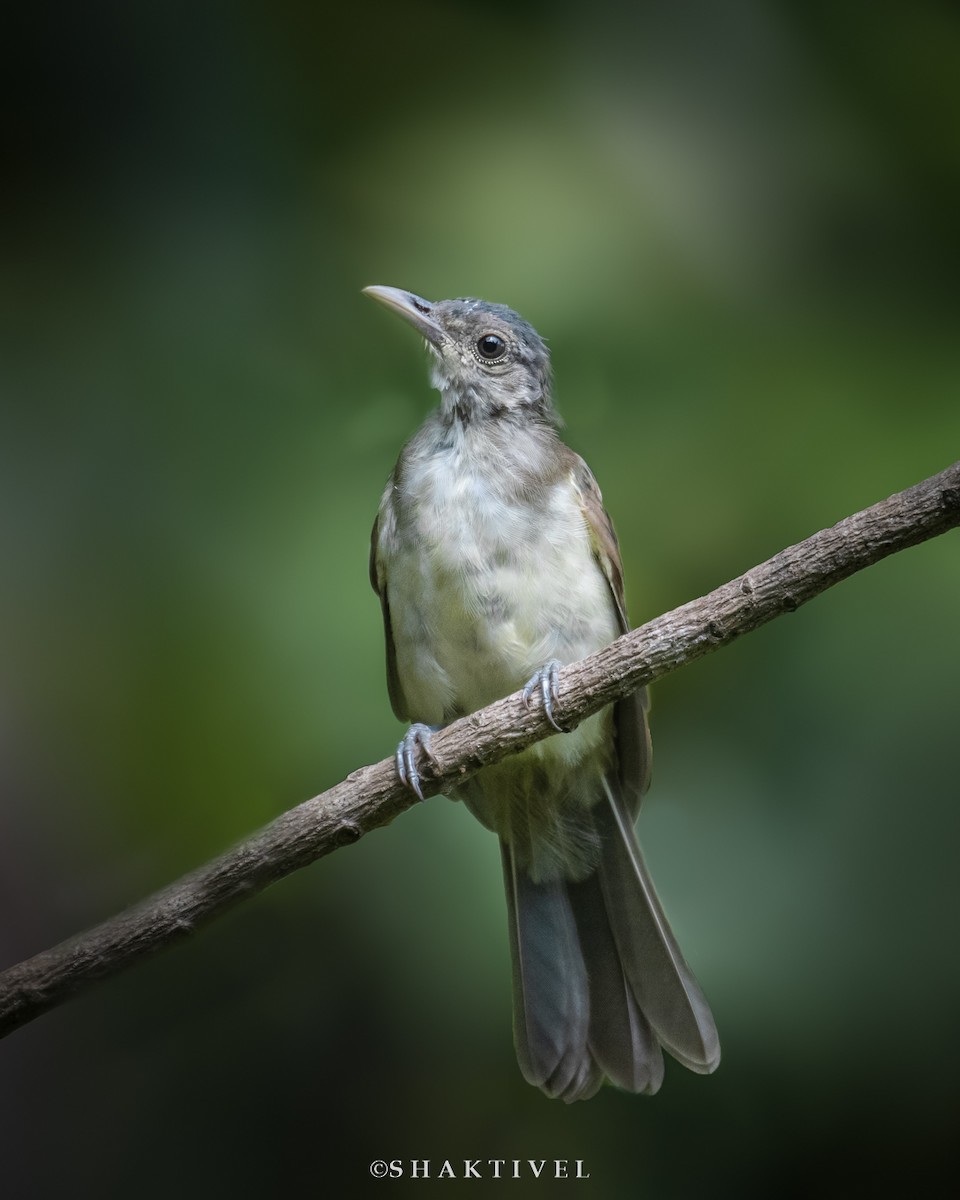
(417, 311)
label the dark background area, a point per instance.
(737, 226)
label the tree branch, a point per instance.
(372, 797)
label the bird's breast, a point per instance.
(488, 582)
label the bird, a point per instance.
(496, 564)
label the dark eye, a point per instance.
(491, 346)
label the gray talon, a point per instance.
(416, 738)
(546, 681)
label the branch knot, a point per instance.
(950, 497)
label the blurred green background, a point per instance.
(737, 226)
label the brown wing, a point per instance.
(630, 714)
(605, 545)
(379, 583)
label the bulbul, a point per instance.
(496, 563)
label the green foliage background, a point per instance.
(737, 226)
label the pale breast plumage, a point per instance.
(473, 615)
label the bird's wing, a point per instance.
(385, 526)
(633, 732)
(603, 539)
(661, 991)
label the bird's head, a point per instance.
(488, 361)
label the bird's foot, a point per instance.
(416, 738)
(546, 681)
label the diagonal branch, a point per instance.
(372, 797)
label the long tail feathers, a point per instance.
(661, 981)
(599, 982)
(621, 1040)
(551, 1004)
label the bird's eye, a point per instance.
(490, 347)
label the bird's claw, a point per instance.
(416, 738)
(546, 681)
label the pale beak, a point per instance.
(412, 308)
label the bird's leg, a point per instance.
(546, 681)
(417, 737)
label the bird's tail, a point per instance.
(599, 983)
